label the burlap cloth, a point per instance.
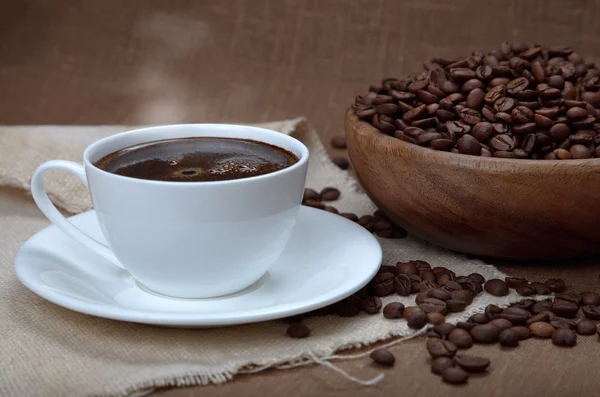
(51, 351)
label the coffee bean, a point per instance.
(586, 327)
(436, 318)
(479, 318)
(475, 98)
(330, 194)
(541, 329)
(454, 375)
(455, 306)
(565, 309)
(444, 329)
(383, 357)
(543, 317)
(559, 132)
(590, 298)
(297, 330)
(568, 297)
(438, 293)
(467, 144)
(478, 278)
(522, 332)
(525, 290)
(541, 288)
(514, 282)
(461, 338)
(504, 104)
(432, 305)
(428, 276)
(515, 315)
(564, 337)
(471, 363)
(508, 338)
(402, 285)
(462, 295)
(556, 285)
(338, 142)
(341, 162)
(440, 364)
(440, 348)
(393, 310)
(371, 305)
(502, 142)
(492, 311)
(348, 307)
(409, 311)
(465, 325)
(592, 312)
(417, 320)
(406, 268)
(382, 284)
(501, 323)
(561, 322)
(414, 113)
(310, 194)
(485, 333)
(420, 298)
(580, 152)
(496, 286)
(470, 116)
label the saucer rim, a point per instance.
(186, 319)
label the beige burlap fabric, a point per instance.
(51, 351)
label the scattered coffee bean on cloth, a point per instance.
(517, 101)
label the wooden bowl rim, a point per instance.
(448, 157)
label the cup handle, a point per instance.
(40, 197)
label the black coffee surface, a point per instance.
(197, 159)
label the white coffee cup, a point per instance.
(186, 239)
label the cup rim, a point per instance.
(293, 144)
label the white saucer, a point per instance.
(327, 259)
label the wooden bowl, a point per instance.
(488, 207)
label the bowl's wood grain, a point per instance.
(499, 208)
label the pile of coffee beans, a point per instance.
(438, 291)
(518, 101)
(378, 223)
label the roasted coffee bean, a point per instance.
(482, 131)
(543, 317)
(409, 311)
(522, 332)
(541, 329)
(330, 194)
(485, 333)
(438, 293)
(580, 152)
(471, 85)
(478, 278)
(415, 282)
(525, 290)
(383, 357)
(525, 304)
(465, 325)
(492, 311)
(440, 348)
(541, 288)
(455, 306)
(559, 132)
(521, 115)
(568, 297)
(444, 329)
(432, 305)
(462, 295)
(297, 330)
(339, 142)
(440, 364)
(436, 318)
(417, 320)
(371, 305)
(496, 287)
(414, 113)
(515, 315)
(508, 338)
(461, 338)
(402, 285)
(382, 284)
(341, 162)
(467, 144)
(590, 298)
(564, 337)
(556, 285)
(348, 307)
(471, 363)
(393, 310)
(479, 318)
(428, 276)
(504, 117)
(504, 104)
(592, 312)
(565, 309)
(586, 327)
(501, 323)
(514, 282)
(454, 375)
(420, 298)
(448, 284)
(561, 322)
(475, 98)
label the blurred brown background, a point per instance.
(144, 62)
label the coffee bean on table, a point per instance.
(474, 364)
(556, 284)
(440, 364)
(402, 285)
(591, 312)
(310, 194)
(514, 282)
(541, 329)
(465, 325)
(406, 268)
(383, 357)
(409, 311)
(590, 298)
(298, 330)
(568, 297)
(541, 288)
(479, 318)
(508, 338)
(485, 333)
(420, 298)
(501, 323)
(522, 332)
(341, 162)
(418, 320)
(371, 305)
(525, 304)
(543, 316)
(439, 293)
(461, 338)
(496, 287)
(382, 284)
(561, 322)
(564, 337)
(440, 348)
(330, 194)
(462, 295)
(338, 142)
(565, 309)
(393, 310)
(436, 318)
(492, 311)
(348, 307)
(444, 329)
(525, 290)
(454, 375)
(586, 327)
(478, 278)
(542, 306)
(455, 306)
